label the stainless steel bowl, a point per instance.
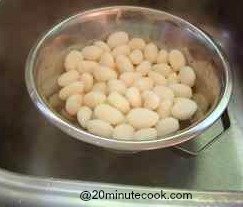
(45, 63)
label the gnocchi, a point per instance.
(136, 57)
(118, 101)
(103, 46)
(151, 100)
(109, 114)
(107, 59)
(71, 89)
(146, 134)
(100, 128)
(87, 66)
(157, 78)
(73, 104)
(67, 78)
(164, 109)
(183, 108)
(164, 92)
(163, 69)
(84, 114)
(100, 87)
(93, 98)
(176, 59)
(88, 81)
(142, 118)
(129, 77)
(137, 43)
(162, 56)
(172, 78)
(92, 52)
(134, 97)
(143, 68)
(181, 90)
(123, 132)
(151, 52)
(187, 76)
(127, 89)
(167, 125)
(116, 85)
(145, 83)
(104, 73)
(117, 38)
(121, 50)
(72, 60)
(124, 64)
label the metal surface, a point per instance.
(38, 152)
(45, 64)
(203, 141)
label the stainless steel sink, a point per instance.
(39, 165)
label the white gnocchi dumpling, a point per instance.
(134, 97)
(151, 52)
(71, 89)
(104, 73)
(164, 92)
(68, 78)
(142, 118)
(88, 81)
(137, 44)
(103, 46)
(87, 66)
(93, 98)
(117, 38)
(124, 64)
(151, 100)
(183, 108)
(72, 60)
(144, 83)
(163, 69)
(146, 134)
(121, 50)
(164, 108)
(157, 78)
(73, 104)
(129, 78)
(136, 56)
(84, 114)
(116, 85)
(187, 76)
(118, 101)
(128, 89)
(144, 67)
(176, 59)
(123, 132)
(107, 59)
(173, 78)
(181, 90)
(109, 114)
(162, 56)
(66, 115)
(92, 52)
(167, 126)
(100, 128)
(100, 87)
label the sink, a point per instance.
(40, 165)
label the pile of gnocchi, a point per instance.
(127, 89)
